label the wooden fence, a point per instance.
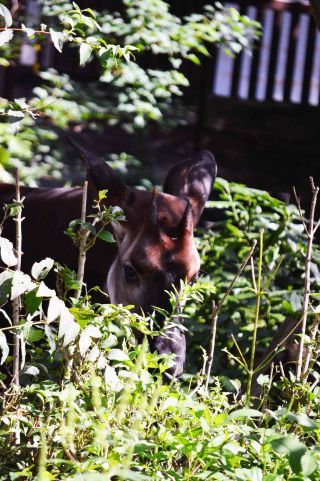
(284, 64)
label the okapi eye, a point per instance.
(130, 274)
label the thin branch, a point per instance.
(253, 274)
(239, 351)
(16, 303)
(214, 317)
(307, 282)
(256, 320)
(300, 211)
(316, 227)
(217, 309)
(283, 374)
(84, 233)
(314, 331)
(264, 363)
(212, 343)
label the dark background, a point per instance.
(264, 143)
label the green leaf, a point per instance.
(194, 59)
(4, 156)
(309, 463)
(6, 36)
(31, 301)
(4, 12)
(303, 420)
(103, 194)
(253, 474)
(34, 335)
(106, 236)
(245, 413)
(85, 53)
(291, 447)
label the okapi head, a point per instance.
(156, 247)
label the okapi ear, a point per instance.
(101, 176)
(193, 179)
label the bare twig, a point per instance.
(209, 360)
(253, 274)
(84, 233)
(16, 303)
(217, 309)
(268, 358)
(258, 293)
(214, 317)
(306, 296)
(263, 404)
(310, 349)
(283, 374)
(316, 227)
(300, 210)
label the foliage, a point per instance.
(225, 246)
(93, 405)
(124, 92)
(125, 424)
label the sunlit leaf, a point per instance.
(85, 53)
(112, 380)
(6, 36)
(44, 291)
(5, 286)
(117, 355)
(21, 283)
(7, 252)
(15, 118)
(58, 39)
(40, 269)
(4, 12)
(29, 31)
(55, 308)
(4, 347)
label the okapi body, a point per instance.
(154, 246)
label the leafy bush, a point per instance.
(94, 407)
(224, 247)
(125, 92)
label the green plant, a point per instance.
(125, 93)
(224, 248)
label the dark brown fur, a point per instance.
(155, 242)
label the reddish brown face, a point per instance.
(156, 247)
(156, 250)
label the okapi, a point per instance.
(154, 247)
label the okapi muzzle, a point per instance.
(154, 248)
